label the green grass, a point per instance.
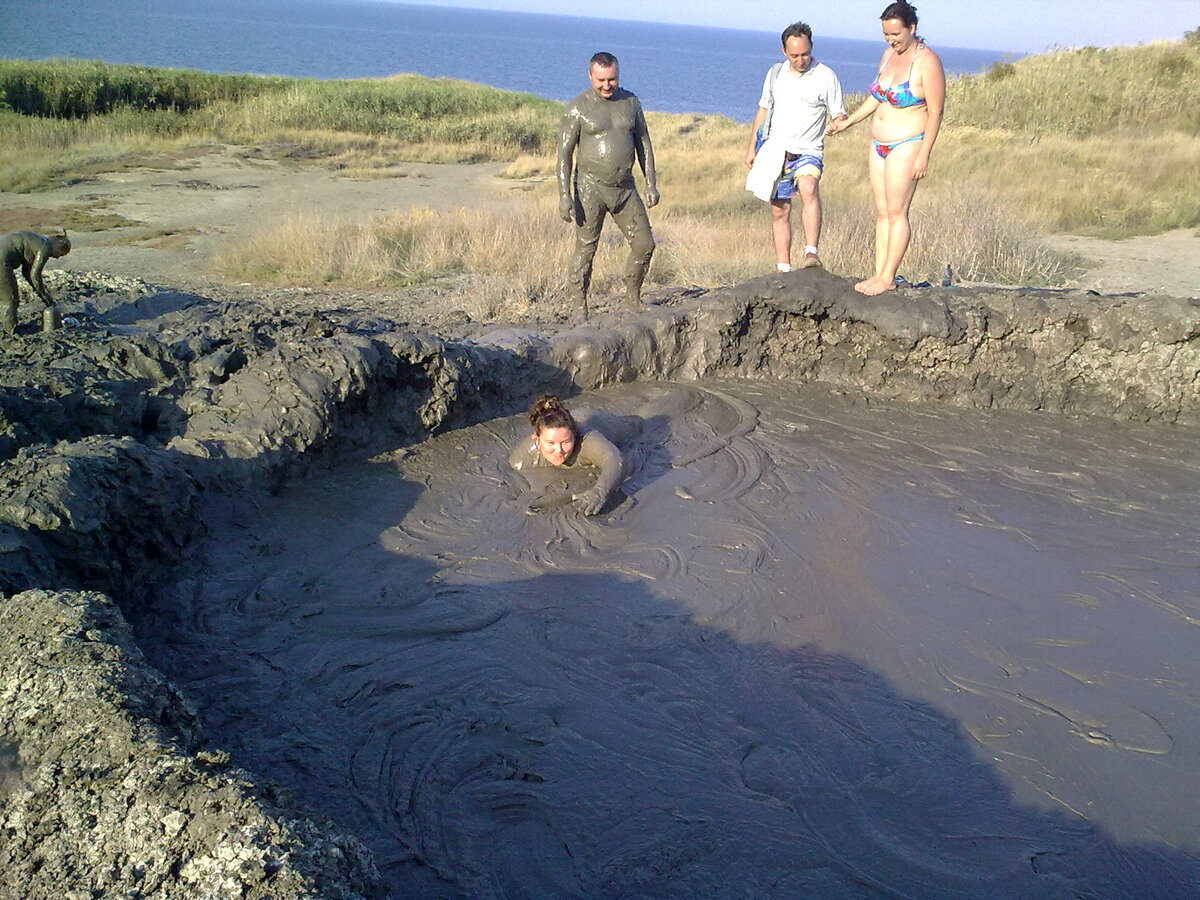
(404, 108)
(65, 117)
(79, 88)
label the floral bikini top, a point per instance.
(899, 95)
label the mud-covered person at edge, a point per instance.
(603, 132)
(30, 252)
(590, 438)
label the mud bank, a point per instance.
(163, 417)
(106, 788)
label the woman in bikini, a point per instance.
(905, 104)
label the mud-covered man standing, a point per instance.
(603, 130)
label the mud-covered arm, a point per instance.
(645, 155)
(597, 450)
(521, 457)
(33, 274)
(568, 140)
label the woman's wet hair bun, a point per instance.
(543, 405)
(548, 411)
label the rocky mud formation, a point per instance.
(118, 431)
(107, 790)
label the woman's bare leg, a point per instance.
(875, 171)
(898, 187)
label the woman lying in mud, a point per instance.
(590, 438)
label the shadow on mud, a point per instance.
(575, 735)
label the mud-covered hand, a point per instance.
(566, 207)
(652, 197)
(591, 501)
(550, 498)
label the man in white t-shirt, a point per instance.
(787, 142)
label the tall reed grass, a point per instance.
(79, 88)
(1085, 92)
(706, 249)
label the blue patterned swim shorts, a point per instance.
(795, 166)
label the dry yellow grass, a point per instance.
(519, 253)
(1086, 91)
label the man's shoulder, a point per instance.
(24, 240)
(579, 102)
(824, 71)
(775, 70)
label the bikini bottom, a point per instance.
(883, 148)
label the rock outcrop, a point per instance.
(106, 788)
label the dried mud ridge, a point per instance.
(119, 430)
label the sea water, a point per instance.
(672, 68)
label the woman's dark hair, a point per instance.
(548, 412)
(905, 12)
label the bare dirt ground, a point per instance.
(1164, 264)
(169, 223)
(180, 217)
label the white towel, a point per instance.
(768, 164)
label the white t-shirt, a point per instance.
(801, 103)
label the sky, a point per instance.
(1022, 26)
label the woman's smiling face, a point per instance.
(555, 444)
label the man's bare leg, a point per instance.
(781, 231)
(809, 191)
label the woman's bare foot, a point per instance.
(873, 286)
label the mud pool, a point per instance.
(824, 646)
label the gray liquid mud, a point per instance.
(821, 647)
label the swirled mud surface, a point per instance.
(820, 647)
